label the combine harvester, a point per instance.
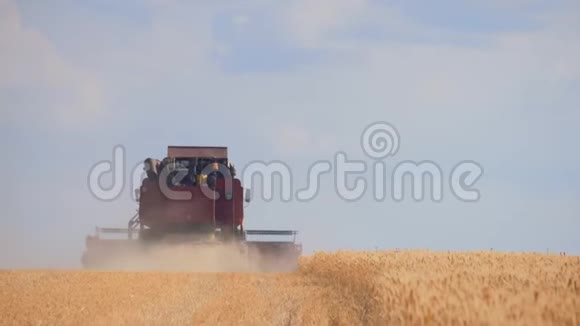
(191, 208)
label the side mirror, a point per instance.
(137, 194)
(248, 195)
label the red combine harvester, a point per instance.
(190, 200)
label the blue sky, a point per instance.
(497, 82)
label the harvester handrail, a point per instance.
(292, 233)
(271, 232)
(112, 230)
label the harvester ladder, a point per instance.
(134, 222)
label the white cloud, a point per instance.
(240, 19)
(310, 22)
(30, 63)
(508, 97)
(298, 140)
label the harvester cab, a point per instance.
(192, 197)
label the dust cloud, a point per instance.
(220, 257)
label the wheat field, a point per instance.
(341, 288)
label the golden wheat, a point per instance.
(342, 288)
